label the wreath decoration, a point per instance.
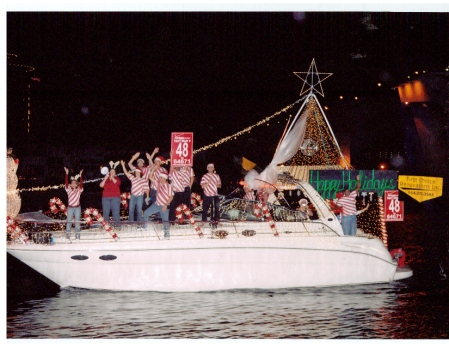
(98, 217)
(195, 199)
(262, 210)
(124, 199)
(15, 231)
(182, 210)
(335, 208)
(56, 205)
(221, 234)
(249, 233)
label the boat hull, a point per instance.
(212, 264)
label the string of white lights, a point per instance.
(204, 148)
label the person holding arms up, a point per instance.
(74, 191)
(349, 210)
(110, 200)
(138, 185)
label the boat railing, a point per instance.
(37, 232)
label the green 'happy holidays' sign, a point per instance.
(329, 182)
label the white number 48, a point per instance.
(182, 149)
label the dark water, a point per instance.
(417, 307)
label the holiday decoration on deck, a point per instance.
(124, 199)
(182, 210)
(195, 200)
(98, 217)
(262, 209)
(15, 231)
(56, 206)
(13, 200)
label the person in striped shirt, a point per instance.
(74, 191)
(210, 183)
(138, 185)
(349, 210)
(249, 194)
(162, 203)
(181, 180)
(158, 170)
(143, 169)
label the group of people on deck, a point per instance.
(168, 189)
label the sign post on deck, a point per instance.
(393, 208)
(182, 149)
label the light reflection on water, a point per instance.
(365, 311)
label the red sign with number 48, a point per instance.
(394, 209)
(182, 149)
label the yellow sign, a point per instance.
(421, 188)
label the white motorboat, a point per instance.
(235, 254)
(267, 247)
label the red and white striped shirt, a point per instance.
(348, 204)
(214, 180)
(73, 194)
(163, 193)
(180, 179)
(138, 185)
(146, 171)
(249, 196)
(156, 174)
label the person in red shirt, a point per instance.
(111, 196)
(74, 191)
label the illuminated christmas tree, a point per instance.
(318, 148)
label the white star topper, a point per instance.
(312, 79)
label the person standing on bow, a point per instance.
(349, 210)
(181, 180)
(210, 183)
(74, 191)
(162, 203)
(138, 186)
(110, 200)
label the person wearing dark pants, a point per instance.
(181, 180)
(210, 183)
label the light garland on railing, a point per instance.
(54, 187)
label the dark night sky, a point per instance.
(128, 79)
